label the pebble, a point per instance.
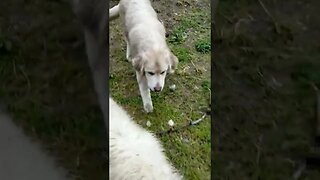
(171, 123)
(185, 140)
(148, 123)
(172, 87)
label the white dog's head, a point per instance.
(155, 65)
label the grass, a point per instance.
(189, 150)
(263, 98)
(203, 46)
(182, 54)
(178, 36)
(46, 84)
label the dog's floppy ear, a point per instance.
(173, 63)
(138, 63)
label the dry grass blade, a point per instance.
(297, 174)
(27, 78)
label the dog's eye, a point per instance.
(162, 72)
(151, 73)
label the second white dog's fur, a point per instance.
(135, 153)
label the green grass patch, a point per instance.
(203, 46)
(191, 22)
(178, 36)
(183, 54)
(206, 84)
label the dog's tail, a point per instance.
(114, 12)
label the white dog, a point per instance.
(135, 154)
(146, 46)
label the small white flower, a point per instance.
(148, 123)
(171, 123)
(172, 87)
(185, 140)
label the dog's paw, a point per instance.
(148, 108)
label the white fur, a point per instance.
(135, 153)
(146, 46)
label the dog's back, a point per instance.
(142, 26)
(136, 8)
(134, 152)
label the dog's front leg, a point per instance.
(144, 92)
(128, 47)
(128, 51)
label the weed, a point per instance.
(203, 46)
(182, 54)
(178, 36)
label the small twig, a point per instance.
(260, 73)
(199, 120)
(317, 111)
(14, 67)
(314, 87)
(197, 70)
(191, 123)
(78, 161)
(250, 17)
(265, 9)
(269, 14)
(27, 78)
(45, 47)
(237, 25)
(258, 155)
(226, 73)
(258, 146)
(227, 18)
(297, 174)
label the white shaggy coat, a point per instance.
(135, 154)
(147, 49)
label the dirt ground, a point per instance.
(266, 54)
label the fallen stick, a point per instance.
(191, 123)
